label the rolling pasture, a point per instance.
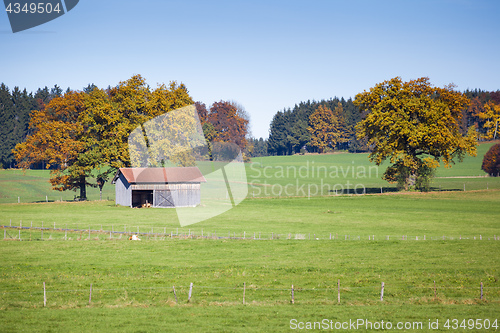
(432, 251)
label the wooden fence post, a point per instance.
(173, 287)
(382, 293)
(90, 294)
(293, 297)
(44, 296)
(338, 291)
(190, 291)
(244, 289)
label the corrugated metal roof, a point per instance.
(161, 175)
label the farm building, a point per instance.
(158, 187)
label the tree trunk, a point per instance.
(496, 129)
(411, 180)
(83, 189)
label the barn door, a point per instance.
(163, 198)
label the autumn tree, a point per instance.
(112, 115)
(491, 161)
(84, 135)
(323, 126)
(491, 116)
(343, 130)
(229, 123)
(415, 126)
(202, 111)
(56, 139)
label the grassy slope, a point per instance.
(340, 169)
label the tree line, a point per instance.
(326, 125)
(315, 126)
(82, 135)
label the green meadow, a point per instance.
(278, 176)
(432, 251)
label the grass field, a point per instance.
(451, 214)
(424, 280)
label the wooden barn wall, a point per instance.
(166, 195)
(123, 192)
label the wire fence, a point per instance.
(96, 232)
(46, 294)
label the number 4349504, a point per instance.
(471, 324)
(32, 8)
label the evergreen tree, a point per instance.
(277, 143)
(7, 129)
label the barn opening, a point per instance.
(141, 198)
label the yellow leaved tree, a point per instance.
(324, 129)
(415, 126)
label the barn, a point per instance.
(159, 187)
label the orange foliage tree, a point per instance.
(56, 139)
(85, 135)
(228, 123)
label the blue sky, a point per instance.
(265, 55)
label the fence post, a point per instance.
(382, 293)
(44, 296)
(173, 287)
(244, 289)
(338, 291)
(190, 291)
(293, 297)
(90, 295)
